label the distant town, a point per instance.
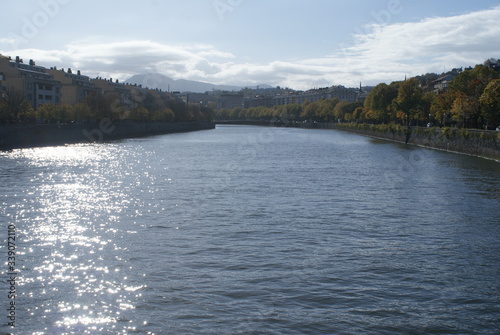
(35, 94)
(40, 86)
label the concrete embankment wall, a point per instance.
(466, 141)
(22, 136)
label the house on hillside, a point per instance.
(441, 84)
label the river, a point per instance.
(250, 230)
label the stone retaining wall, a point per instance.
(22, 136)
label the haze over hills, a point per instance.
(156, 80)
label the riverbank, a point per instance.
(465, 141)
(25, 136)
(473, 142)
(277, 123)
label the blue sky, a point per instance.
(294, 43)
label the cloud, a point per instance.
(428, 45)
(387, 52)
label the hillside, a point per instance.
(156, 80)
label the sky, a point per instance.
(299, 44)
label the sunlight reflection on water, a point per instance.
(68, 208)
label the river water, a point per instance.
(251, 230)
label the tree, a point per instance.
(65, 112)
(409, 98)
(473, 82)
(356, 115)
(463, 107)
(163, 115)
(293, 111)
(47, 112)
(309, 111)
(14, 99)
(140, 114)
(5, 114)
(490, 103)
(442, 105)
(343, 108)
(379, 101)
(326, 109)
(427, 99)
(82, 112)
(97, 104)
(26, 112)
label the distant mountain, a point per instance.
(156, 80)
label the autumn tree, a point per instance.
(463, 107)
(473, 83)
(442, 105)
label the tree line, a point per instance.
(472, 100)
(143, 107)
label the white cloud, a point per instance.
(386, 53)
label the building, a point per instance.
(441, 84)
(259, 100)
(230, 101)
(74, 87)
(36, 85)
(114, 89)
(340, 92)
(201, 99)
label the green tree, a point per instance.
(47, 112)
(356, 115)
(180, 110)
(98, 105)
(409, 98)
(425, 114)
(5, 114)
(490, 103)
(65, 113)
(293, 111)
(379, 101)
(326, 109)
(26, 112)
(309, 111)
(163, 115)
(82, 112)
(14, 99)
(473, 82)
(344, 107)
